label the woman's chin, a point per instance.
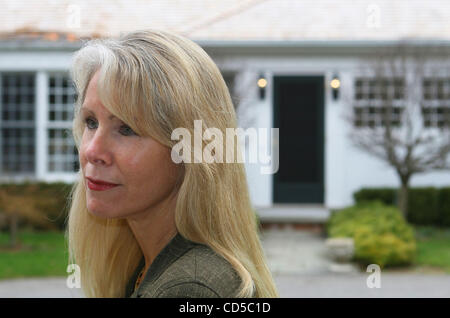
(105, 214)
(100, 212)
(97, 214)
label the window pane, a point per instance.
(229, 80)
(374, 99)
(436, 102)
(17, 122)
(18, 150)
(62, 153)
(61, 97)
(18, 97)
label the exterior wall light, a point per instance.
(335, 85)
(262, 83)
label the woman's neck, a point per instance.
(154, 229)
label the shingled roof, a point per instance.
(230, 20)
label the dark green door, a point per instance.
(299, 115)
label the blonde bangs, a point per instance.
(122, 90)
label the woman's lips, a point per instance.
(99, 186)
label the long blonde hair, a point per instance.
(156, 81)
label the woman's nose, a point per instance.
(97, 150)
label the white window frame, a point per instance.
(376, 103)
(434, 102)
(45, 125)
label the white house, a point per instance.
(298, 47)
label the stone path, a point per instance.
(302, 268)
(290, 251)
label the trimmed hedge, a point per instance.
(48, 199)
(426, 206)
(423, 206)
(386, 195)
(444, 206)
(380, 233)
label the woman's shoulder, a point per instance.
(200, 272)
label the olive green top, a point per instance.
(184, 269)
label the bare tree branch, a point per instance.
(409, 123)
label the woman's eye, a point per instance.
(127, 131)
(88, 121)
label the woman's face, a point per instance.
(112, 152)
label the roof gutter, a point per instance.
(253, 47)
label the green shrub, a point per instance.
(380, 233)
(386, 195)
(444, 206)
(426, 206)
(423, 206)
(49, 199)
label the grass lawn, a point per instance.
(45, 254)
(41, 254)
(433, 247)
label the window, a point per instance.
(61, 97)
(229, 80)
(17, 123)
(436, 102)
(377, 100)
(62, 153)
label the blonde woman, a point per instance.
(140, 224)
